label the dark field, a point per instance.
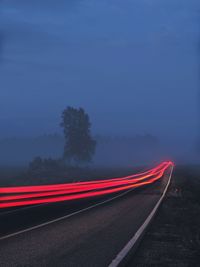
(22, 176)
(173, 239)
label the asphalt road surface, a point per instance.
(89, 238)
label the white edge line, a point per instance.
(65, 217)
(132, 242)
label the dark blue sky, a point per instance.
(133, 65)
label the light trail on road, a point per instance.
(80, 190)
(54, 187)
(89, 187)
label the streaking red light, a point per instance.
(81, 190)
(42, 188)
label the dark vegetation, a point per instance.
(67, 158)
(115, 156)
(110, 150)
(39, 165)
(20, 176)
(79, 144)
(174, 237)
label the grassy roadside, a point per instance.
(21, 176)
(173, 239)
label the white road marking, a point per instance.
(66, 216)
(123, 253)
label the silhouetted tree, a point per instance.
(79, 144)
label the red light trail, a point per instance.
(42, 188)
(80, 190)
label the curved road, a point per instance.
(92, 237)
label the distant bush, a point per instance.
(48, 164)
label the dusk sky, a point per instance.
(132, 64)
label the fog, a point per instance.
(133, 65)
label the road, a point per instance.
(90, 238)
